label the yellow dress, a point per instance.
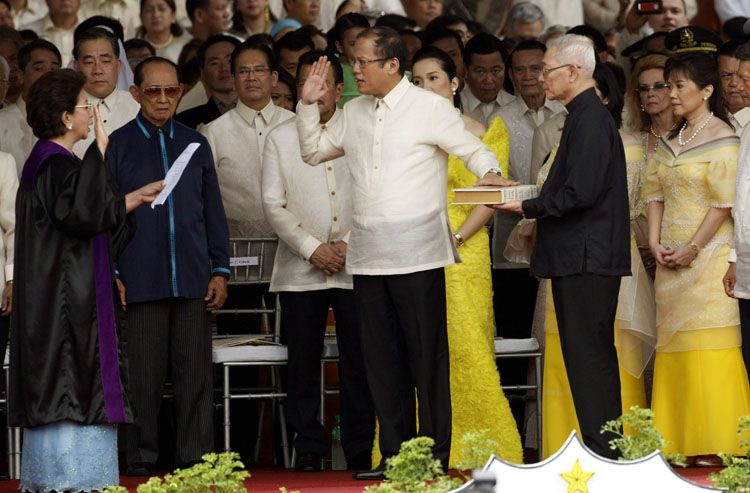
(477, 401)
(634, 330)
(700, 383)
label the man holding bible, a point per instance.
(397, 138)
(583, 235)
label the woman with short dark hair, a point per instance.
(700, 385)
(160, 28)
(67, 386)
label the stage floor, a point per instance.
(270, 480)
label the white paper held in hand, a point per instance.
(174, 173)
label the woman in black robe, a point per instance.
(67, 373)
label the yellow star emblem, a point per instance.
(577, 479)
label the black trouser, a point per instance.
(745, 331)
(175, 334)
(405, 346)
(514, 300)
(305, 317)
(585, 306)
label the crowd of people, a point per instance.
(343, 128)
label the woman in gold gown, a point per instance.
(476, 397)
(700, 383)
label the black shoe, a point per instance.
(308, 462)
(360, 462)
(377, 474)
(140, 469)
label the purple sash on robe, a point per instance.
(109, 363)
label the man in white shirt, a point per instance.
(485, 61)
(300, 202)
(514, 289)
(27, 11)
(397, 138)
(238, 136)
(97, 58)
(735, 97)
(209, 17)
(10, 43)
(127, 12)
(737, 278)
(16, 137)
(59, 25)
(8, 188)
(237, 139)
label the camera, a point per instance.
(649, 7)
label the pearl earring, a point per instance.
(706, 98)
(69, 126)
(643, 108)
(454, 92)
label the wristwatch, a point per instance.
(459, 238)
(497, 171)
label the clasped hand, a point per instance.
(676, 258)
(329, 257)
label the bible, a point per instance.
(494, 195)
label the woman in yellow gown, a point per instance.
(634, 324)
(478, 402)
(700, 383)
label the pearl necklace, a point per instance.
(697, 130)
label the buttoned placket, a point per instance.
(377, 144)
(259, 123)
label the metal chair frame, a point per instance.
(254, 275)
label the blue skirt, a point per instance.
(67, 456)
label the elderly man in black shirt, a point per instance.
(583, 234)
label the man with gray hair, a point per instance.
(525, 21)
(583, 235)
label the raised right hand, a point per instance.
(315, 86)
(102, 139)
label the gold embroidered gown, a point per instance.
(700, 383)
(634, 328)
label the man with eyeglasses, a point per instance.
(583, 235)
(736, 100)
(213, 57)
(174, 271)
(96, 55)
(514, 290)
(485, 60)
(396, 138)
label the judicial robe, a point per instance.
(66, 358)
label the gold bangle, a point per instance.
(696, 249)
(459, 238)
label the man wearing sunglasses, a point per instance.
(175, 270)
(96, 55)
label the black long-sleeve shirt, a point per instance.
(583, 223)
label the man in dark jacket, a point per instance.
(175, 269)
(583, 235)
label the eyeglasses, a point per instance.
(728, 75)
(364, 63)
(87, 106)
(248, 71)
(657, 87)
(547, 71)
(154, 92)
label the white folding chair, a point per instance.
(247, 263)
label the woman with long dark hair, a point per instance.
(700, 383)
